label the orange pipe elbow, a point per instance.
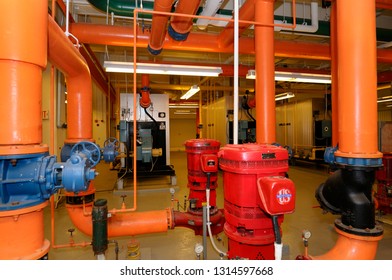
(123, 223)
(79, 84)
(145, 100)
(180, 26)
(351, 247)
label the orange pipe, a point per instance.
(351, 247)
(21, 76)
(123, 224)
(356, 40)
(159, 25)
(246, 12)
(265, 72)
(79, 85)
(123, 36)
(145, 100)
(22, 234)
(182, 25)
(334, 76)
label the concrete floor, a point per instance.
(179, 243)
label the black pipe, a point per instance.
(349, 192)
(100, 226)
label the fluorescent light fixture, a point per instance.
(184, 106)
(184, 112)
(192, 91)
(285, 95)
(162, 69)
(296, 77)
(384, 99)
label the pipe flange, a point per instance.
(374, 232)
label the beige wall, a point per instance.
(180, 131)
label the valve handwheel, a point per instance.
(113, 141)
(91, 150)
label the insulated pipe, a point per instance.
(159, 26)
(145, 100)
(179, 26)
(265, 72)
(79, 85)
(356, 40)
(246, 12)
(122, 224)
(22, 59)
(210, 9)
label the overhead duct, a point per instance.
(210, 9)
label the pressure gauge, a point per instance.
(198, 248)
(172, 190)
(306, 234)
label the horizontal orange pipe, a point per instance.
(123, 223)
(22, 234)
(351, 247)
(22, 60)
(123, 36)
(64, 56)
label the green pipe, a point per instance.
(100, 226)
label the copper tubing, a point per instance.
(334, 76)
(21, 76)
(246, 12)
(182, 25)
(79, 84)
(123, 224)
(145, 100)
(159, 25)
(357, 80)
(265, 73)
(351, 247)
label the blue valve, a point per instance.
(329, 154)
(110, 149)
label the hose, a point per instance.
(221, 253)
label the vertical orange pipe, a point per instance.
(79, 84)
(180, 26)
(159, 26)
(22, 60)
(334, 75)
(145, 100)
(357, 85)
(265, 72)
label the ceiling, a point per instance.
(96, 12)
